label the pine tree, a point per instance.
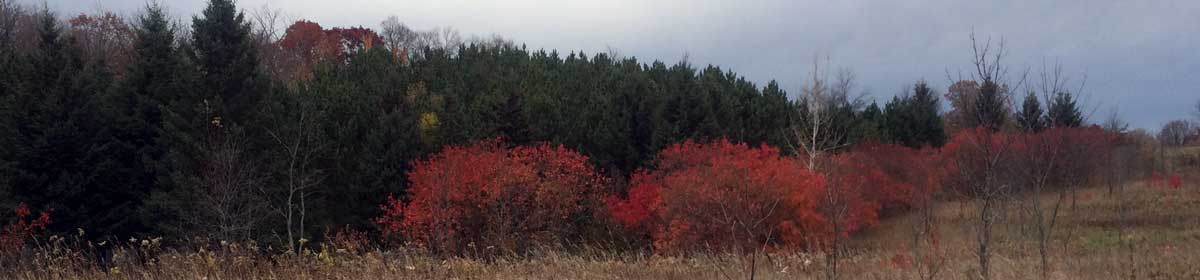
(1031, 119)
(143, 121)
(55, 134)
(771, 113)
(15, 72)
(913, 120)
(512, 124)
(926, 106)
(228, 61)
(869, 125)
(990, 110)
(1063, 111)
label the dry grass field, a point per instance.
(1157, 238)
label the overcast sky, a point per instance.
(1139, 56)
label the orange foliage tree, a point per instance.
(486, 198)
(306, 46)
(722, 195)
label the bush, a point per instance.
(486, 198)
(895, 176)
(721, 195)
(23, 227)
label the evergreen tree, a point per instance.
(770, 116)
(50, 164)
(144, 122)
(228, 61)
(869, 125)
(512, 124)
(1063, 111)
(1031, 118)
(913, 120)
(990, 110)
(15, 72)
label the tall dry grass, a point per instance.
(1158, 237)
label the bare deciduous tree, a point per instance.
(10, 15)
(1196, 113)
(298, 144)
(268, 29)
(1038, 168)
(398, 37)
(1176, 133)
(983, 159)
(817, 132)
(927, 253)
(18, 30)
(983, 175)
(402, 40)
(226, 203)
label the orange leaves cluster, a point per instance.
(486, 195)
(721, 195)
(311, 43)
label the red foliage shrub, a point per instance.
(722, 195)
(14, 234)
(975, 162)
(895, 176)
(984, 163)
(871, 180)
(487, 195)
(1082, 153)
(852, 196)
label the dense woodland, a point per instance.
(220, 127)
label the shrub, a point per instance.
(21, 228)
(721, 195)
(896, 177)
(487, 196)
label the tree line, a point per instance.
(224, 128)
(218, 126)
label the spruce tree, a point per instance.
(139, 134)
(914, 120)
(227, 60)
(56, 132)
(1063, 111)
(1031, 118)
(990, 111)
(869, 125)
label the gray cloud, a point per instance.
(1136, 55)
